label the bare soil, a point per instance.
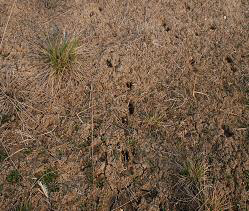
(158, 83)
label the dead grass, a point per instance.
(194, 173)
(192, 182)
(139, 83)
(11, 97)
(217, 200)
(196, 190)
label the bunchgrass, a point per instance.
(59, 52)
(192, 183)
(197, 192)
(194, 172)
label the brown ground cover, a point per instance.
(144, 107)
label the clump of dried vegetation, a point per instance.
(195, 190)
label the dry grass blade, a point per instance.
(44, 188)
(92, 128)
(217, 200)
(6, 26)
(15, 153)
(121, 206)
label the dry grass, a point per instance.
(139, 83)
(197, 192)
(11, 97)
(193, 182)
(217, 200)
(194, 173)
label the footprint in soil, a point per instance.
(129, 85)
(124, 120)
(227, 131)
(131, 108)
(213, 28)
(166, 28)
(109, 63)
(125, 156)
(229, 60)
(192, 63)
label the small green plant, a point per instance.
(27, 151)
(247, 103)
(49, 179)
(4, 54)
(247, 135)
(89, 173)
(192, 183)
(14, 177)
(194, 172)
(4, 118)
(84, 144)
(83, 207)
(49, 176)
(3, 155)
(59, 51)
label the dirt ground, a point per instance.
(155, 117)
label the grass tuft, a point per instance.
(216, 200)
(195, 189)
(59, 52)
(14, 177)
(192, 183)
(49, 179)
(194, 172)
